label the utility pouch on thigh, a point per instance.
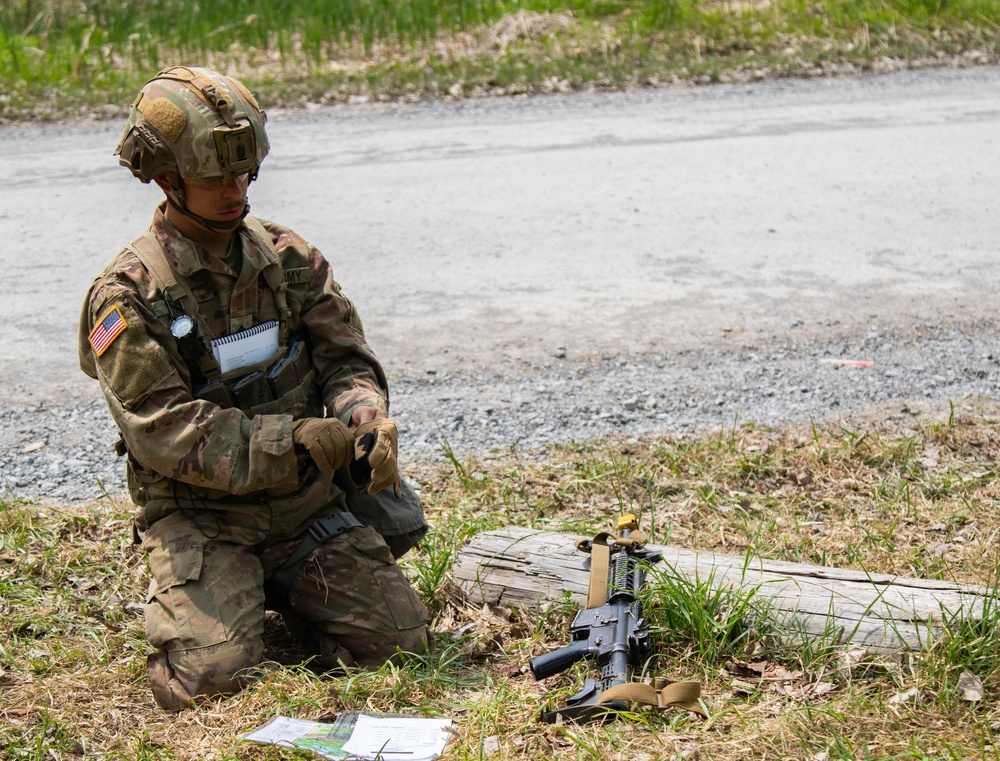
(390, 516)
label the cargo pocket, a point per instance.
(350, 587)
(406, 609)
(204, 592)
(174, 564)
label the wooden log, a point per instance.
(531, 569)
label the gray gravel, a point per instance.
(61, 450)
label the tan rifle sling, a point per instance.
(660, 693)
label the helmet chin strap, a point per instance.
(214, 225)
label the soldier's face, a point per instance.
(217, 200)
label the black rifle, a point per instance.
(615, 634)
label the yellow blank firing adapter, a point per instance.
(629, 522)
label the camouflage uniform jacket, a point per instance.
(186, 452)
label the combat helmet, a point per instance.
(197, 124)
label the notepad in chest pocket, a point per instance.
(246, 347)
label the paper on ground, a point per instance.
(406, 739)
(413, 739)
(281, 730)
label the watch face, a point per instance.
(181, 326)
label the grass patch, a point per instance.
(914, 495)
(61, 58)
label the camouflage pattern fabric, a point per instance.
(350, 604)
(188, 448)
(175, 105)
(399, 519)
(222, 497)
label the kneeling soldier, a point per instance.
(254, 414)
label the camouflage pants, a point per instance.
(349, 603)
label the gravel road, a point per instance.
(570, 267)
(60, 450)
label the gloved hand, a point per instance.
(375, 445)
(329, 442)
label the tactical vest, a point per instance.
(284, 383)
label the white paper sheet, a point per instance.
(280, 731)
(402, 739)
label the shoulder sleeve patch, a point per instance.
(107, 330)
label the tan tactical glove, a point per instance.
(329, 442)
(375, 445)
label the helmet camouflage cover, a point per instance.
(195, 122)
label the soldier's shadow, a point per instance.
(281, 646)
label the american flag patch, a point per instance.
(107, 331)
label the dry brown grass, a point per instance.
(909, 494)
